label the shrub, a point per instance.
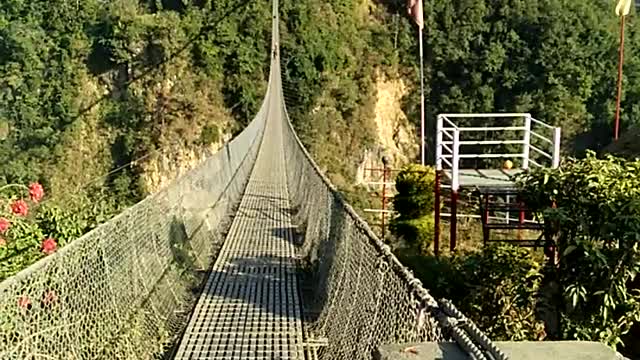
(501, 284)
(414, 203)
(22, 241)
(594, 225)
(31, 229)
(415, 198)
(496, 287)
(417, 233)
(209, 135)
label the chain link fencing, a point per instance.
(361, 295)
(122, 291)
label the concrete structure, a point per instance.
(525, 350)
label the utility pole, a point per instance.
(622, 10)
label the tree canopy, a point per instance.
(556, 59)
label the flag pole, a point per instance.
(416, 12)
(620, 62)
(422, 145)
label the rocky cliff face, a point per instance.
(172, 163)
(181, 111)
(396, 135)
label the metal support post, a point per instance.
(384, 194)
(454, 220)
(455, 161)
(526, 141)
(455, 185)
(437, 189)
(616, 129)
(485, 219)
(436, 215)
(520, 219)
(556, 148)
(439, 126)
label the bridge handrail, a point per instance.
(442, 310)
(119, 290)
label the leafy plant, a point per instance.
(591, 209)
(415, 186)
(501, 285)
(414, 203)
(22, 241)
(497, 287)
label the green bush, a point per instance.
(417, 233)
(32, 227)
(209, 135)
(415, 186)
(496, 287)
(594, 225)
(414, 203)
(501, 285)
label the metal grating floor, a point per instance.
(250, 307)
(494, 178)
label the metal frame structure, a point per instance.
(386, 172)
(506, 223)
(451, 143)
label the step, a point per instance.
(523, 243)
(504, 207)
(515, 226)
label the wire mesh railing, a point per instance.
(119, 290)
(362, 296)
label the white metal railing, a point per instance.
(540, 142)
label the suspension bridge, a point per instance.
(290, 271)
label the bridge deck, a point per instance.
(250, 307)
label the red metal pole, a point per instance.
(384, 197)
(454, 220)
(620, 62)
(520, 220)
(436, 215)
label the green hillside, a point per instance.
(104, 103)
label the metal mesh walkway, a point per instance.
(250, 307)
(118, 292)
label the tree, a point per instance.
(553, 58)
(591, 210)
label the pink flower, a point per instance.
(24, 301)
(20, 207)
(36, 192)
(50, 297)
(49, 246)
(4, 225)
(3, 242)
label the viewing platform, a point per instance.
(484, 178)
(485, 153)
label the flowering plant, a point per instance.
(22, 240)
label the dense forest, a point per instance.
(104, 102)
(92, 85)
